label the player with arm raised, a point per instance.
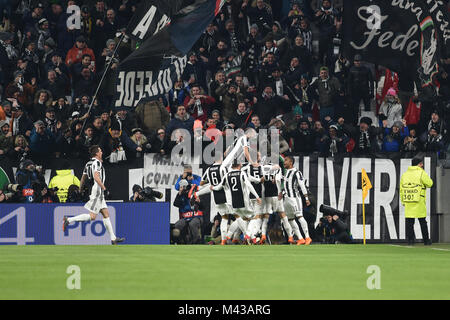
(293, 181)
(239, 186)
(240, 148)
(94, 172)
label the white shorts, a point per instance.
(223, 209)
(293, 207)
(258, 208)
(94, 205)
(244, 213)
(272, 205)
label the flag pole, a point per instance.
(103, 77)
(364, 220)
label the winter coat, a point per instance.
(415, 176)
(152, 115)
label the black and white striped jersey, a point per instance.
(214, 175)
(293, 181)
(238, 185)
(272, 181)
(92, 166)
(255, 175)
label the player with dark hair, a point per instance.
(94, 173)
(293, 181)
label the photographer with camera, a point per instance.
(74, 194)
(27, 175)
(332, 227)
(44, 194)
(11, 193)
(191, 215)
(144, 195)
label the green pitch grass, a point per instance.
(225, 272)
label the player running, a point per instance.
(95, 174)
(293, 180)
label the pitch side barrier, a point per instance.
(332, 181)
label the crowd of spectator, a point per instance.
(260, 63)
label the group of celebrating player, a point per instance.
(252, 190)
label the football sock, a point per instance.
(233, 228)
(265, 221)
(287, 226)
(304, 225)
(296, 229)
(242, 225)
(223, 228)
(109, 227)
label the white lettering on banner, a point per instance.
(21, 232)
(132, 86)
(400, 43)
(440, 17)
(143, 26)
(408, 5)
(86, 232)
(384, 198)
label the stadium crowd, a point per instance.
(263, 64)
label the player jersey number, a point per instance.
(234, 184)
(214, 178)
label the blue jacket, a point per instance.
(42, 144)
(197, 179)
(393, 144)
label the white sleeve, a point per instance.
(301, 183)
(205, 175)
(221, 184)
(278, 177)
(249, 185)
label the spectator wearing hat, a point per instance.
(20, 122)
(43, 99)
(438, 123)
(292, 118)
(49, 49)
(5, 110)
(87, 23)
(335, 143)
(51, 123)
(31, 58)
(6, 139)
(260, 15)
(140, 140)
(207, 41)
(434, 142)
(21, 90)
(195, 71)
(240, 117)
(56, 83)
(126, 120)
(117, 146)
(151, 115)
(198, 104)
(360, 85)
(364, 135)
(44, 36)
(77, 52)
(391, 109)
(303, 138)
(159, 143)
(57, 64)
(42, 141)
(27, 176)
(327, 89)
(412, 143)
(394, 137)
(31, 19)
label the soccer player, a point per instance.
(213, 176)
(293, 180)
(95, 174)
(240, 147)
(273, 200)
(239, 186)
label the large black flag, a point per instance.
(153, 15)
(398, 34)
(152, 69)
